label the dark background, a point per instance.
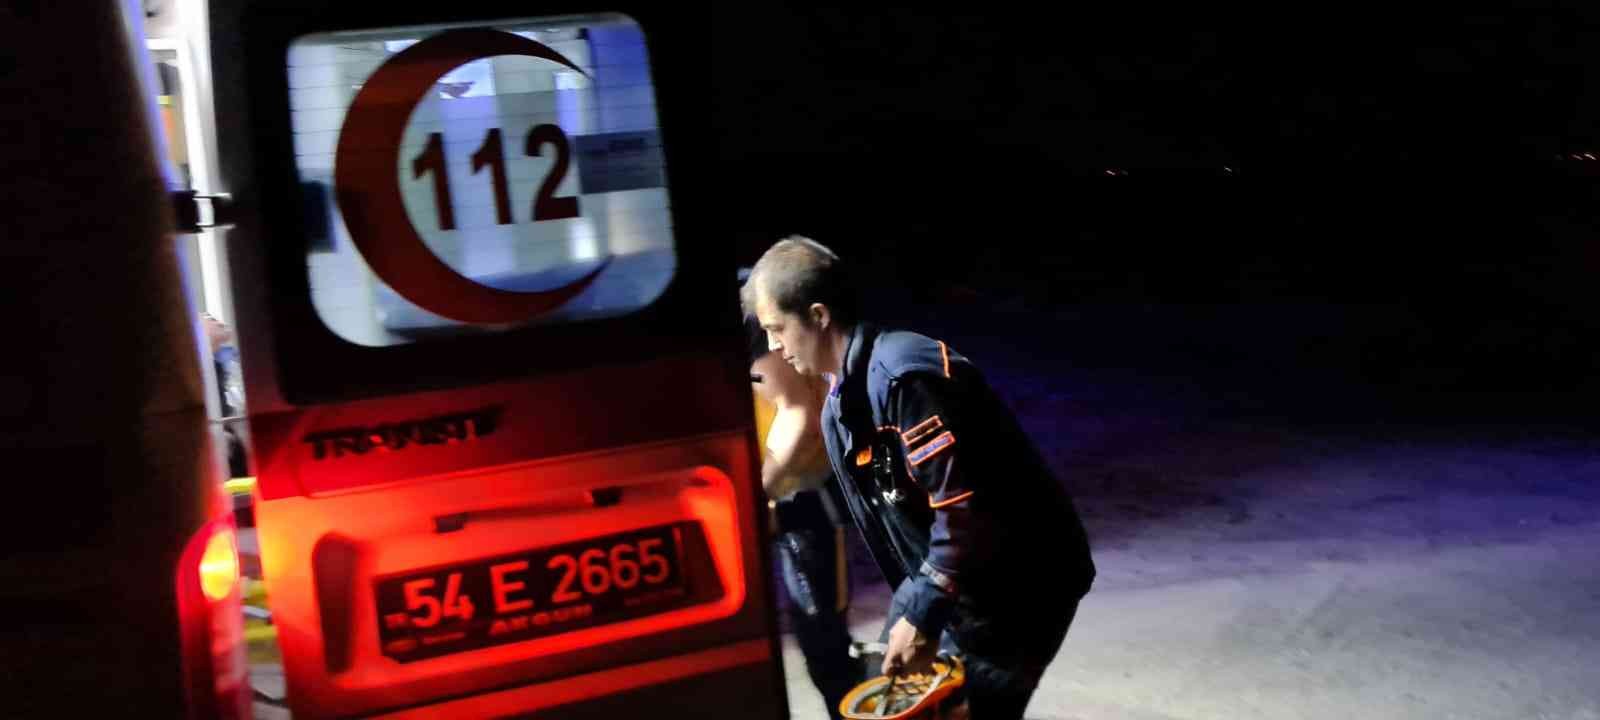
(1397, 201)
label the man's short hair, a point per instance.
(798, 271)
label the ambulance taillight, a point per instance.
(208, 586)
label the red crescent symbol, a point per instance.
(368, 188)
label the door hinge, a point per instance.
(194, 212)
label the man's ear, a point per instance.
(820, 315)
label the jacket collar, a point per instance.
(857, 353)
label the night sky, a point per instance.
(1300, 91)
(1416, 170)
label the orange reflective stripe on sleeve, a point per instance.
(948, 501)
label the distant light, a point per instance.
(1589, 155)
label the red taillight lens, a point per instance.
(219, 565)
(213, 624)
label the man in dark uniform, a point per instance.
(983, 545)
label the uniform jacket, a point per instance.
(948, 491)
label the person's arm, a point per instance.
(794, 442)
(929, 418)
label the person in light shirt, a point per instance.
(808, 535)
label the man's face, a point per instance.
(797, 338)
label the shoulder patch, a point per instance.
(934, 447)
(921, 431)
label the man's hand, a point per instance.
(909, 650)
(776, 484)
(794, 455)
